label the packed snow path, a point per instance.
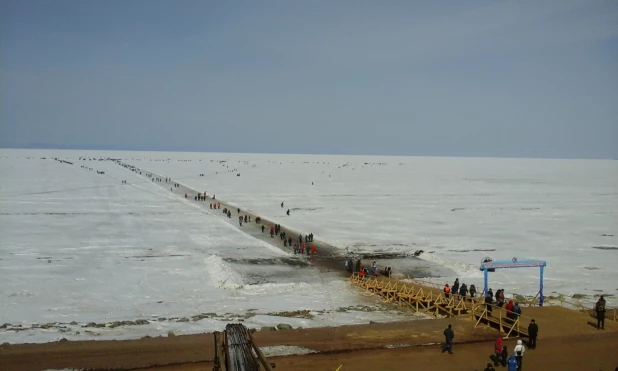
(325, 253)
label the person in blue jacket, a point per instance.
(512, 363)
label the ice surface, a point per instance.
(79, 246)
(458, 210)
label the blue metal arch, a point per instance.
(486, 267)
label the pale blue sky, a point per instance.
(508, 78)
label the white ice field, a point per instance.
(77, 246)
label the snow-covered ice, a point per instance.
(79, 246)
(458, 210)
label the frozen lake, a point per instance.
(458, 210)
(79, 246)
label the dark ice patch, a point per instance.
(294, 262)
(605, 247)
(473, 250)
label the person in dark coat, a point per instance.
(463, 290)
(472, 290)
(533, 331)
(455, 287)
(358, 265)
(489, 299)
(599, 308)
(504, 356)
(262, 228)
(449, 335)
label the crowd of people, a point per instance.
(501, 357)
(364, 272)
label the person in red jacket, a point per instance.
(509, 309)
(312, 250)
(498, 351)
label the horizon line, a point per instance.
(112, 148)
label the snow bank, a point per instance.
(221, 274)
(460, 268)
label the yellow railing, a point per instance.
(503, 322)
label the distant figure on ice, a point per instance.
(349, 265)
(288, 212)
(387, 271)
(282, 204)
(262, 228)
(185, 195)
(239, 210)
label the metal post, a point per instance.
(541, 297)
(485, 275)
